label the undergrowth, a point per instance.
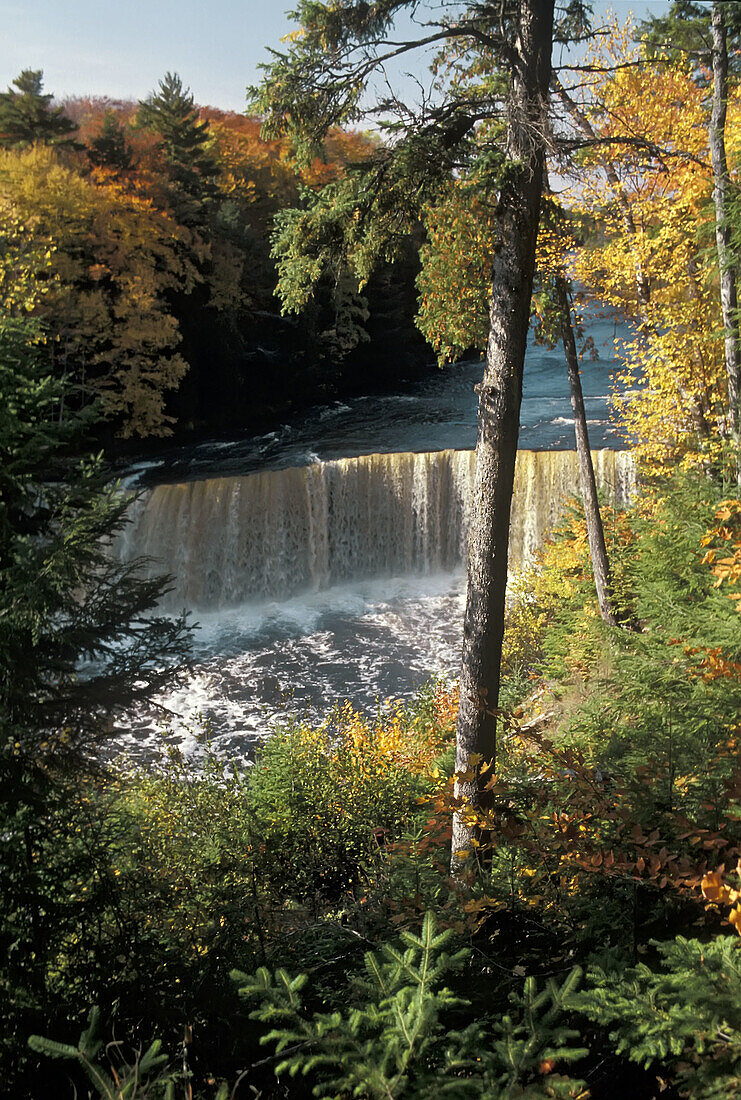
(588, 950)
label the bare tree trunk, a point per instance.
(582, 123)
(595, 531)
(500, 395)
(700, 403)
(721, 187)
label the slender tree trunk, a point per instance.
(699, 403)
(500, 395)
(694, 404)
(595, 531)
(721, 188)
(582, 123)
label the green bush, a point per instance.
(686, 1016)
(146, 1076)
(396, 1040)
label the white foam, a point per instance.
(258, 664)
(570, 420)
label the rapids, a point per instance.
(323, 560)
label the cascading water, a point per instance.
(267, 536)
(338, 580)
(317, 576)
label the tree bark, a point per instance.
(721, 188)
(582, 123)
(500, 396)
(595, 530)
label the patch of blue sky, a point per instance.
(120, 48)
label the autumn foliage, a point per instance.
(647, 185)
(607, 847)
(139, 246)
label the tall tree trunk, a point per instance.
(721, 188)
(582, 123)
(595, 530)
(500, 395)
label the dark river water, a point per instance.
(260, 659)
(435, 414)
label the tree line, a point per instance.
(156, 221)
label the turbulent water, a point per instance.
(323, 560)
(335, 580)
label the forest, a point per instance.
(524, 881)
(149, 226)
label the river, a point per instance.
(323, 561)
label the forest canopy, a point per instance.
(157, 218)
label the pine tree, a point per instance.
(146, 1075)
(79, 642)
(27, 116)
(110, 148)
(319, 83)
(78, 638)
(399, 1042)
(684, 1016)
(684, 29)
(185, 140)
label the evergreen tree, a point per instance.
(683, 1016)
(400, 1042)
(78, 641)
(686, 28)
(493, 128)
(110, 148)
(27, 116)
(77, 635)
(185, 141)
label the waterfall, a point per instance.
(229, 540)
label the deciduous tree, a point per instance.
(453, 284)
(115, 258)
(645, 176)
(727, 261)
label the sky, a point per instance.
(120, 48)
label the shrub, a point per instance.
(326, 799)
(686, 1016)
(396, 1040)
